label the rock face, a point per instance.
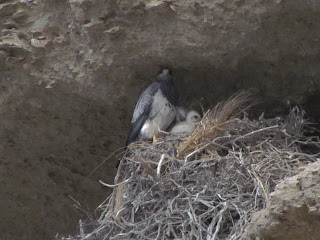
(71, 72)
(294, 209)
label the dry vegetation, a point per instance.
(206, 185)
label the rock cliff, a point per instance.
(71, 72)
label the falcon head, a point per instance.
(164, 76)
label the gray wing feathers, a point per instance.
(145, 101)
(142, 111)
(135, 129)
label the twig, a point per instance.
(159, 165)
(254, 132)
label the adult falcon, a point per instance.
(155, 110)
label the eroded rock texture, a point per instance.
(71, 72)
(293, 211)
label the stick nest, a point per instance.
(205, 185)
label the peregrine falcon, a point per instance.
(188, 125)
(155, 110)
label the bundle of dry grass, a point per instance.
(216, 122)
(222, 173)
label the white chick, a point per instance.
(188, 125)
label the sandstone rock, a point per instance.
(71, 72)
(293, 211)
